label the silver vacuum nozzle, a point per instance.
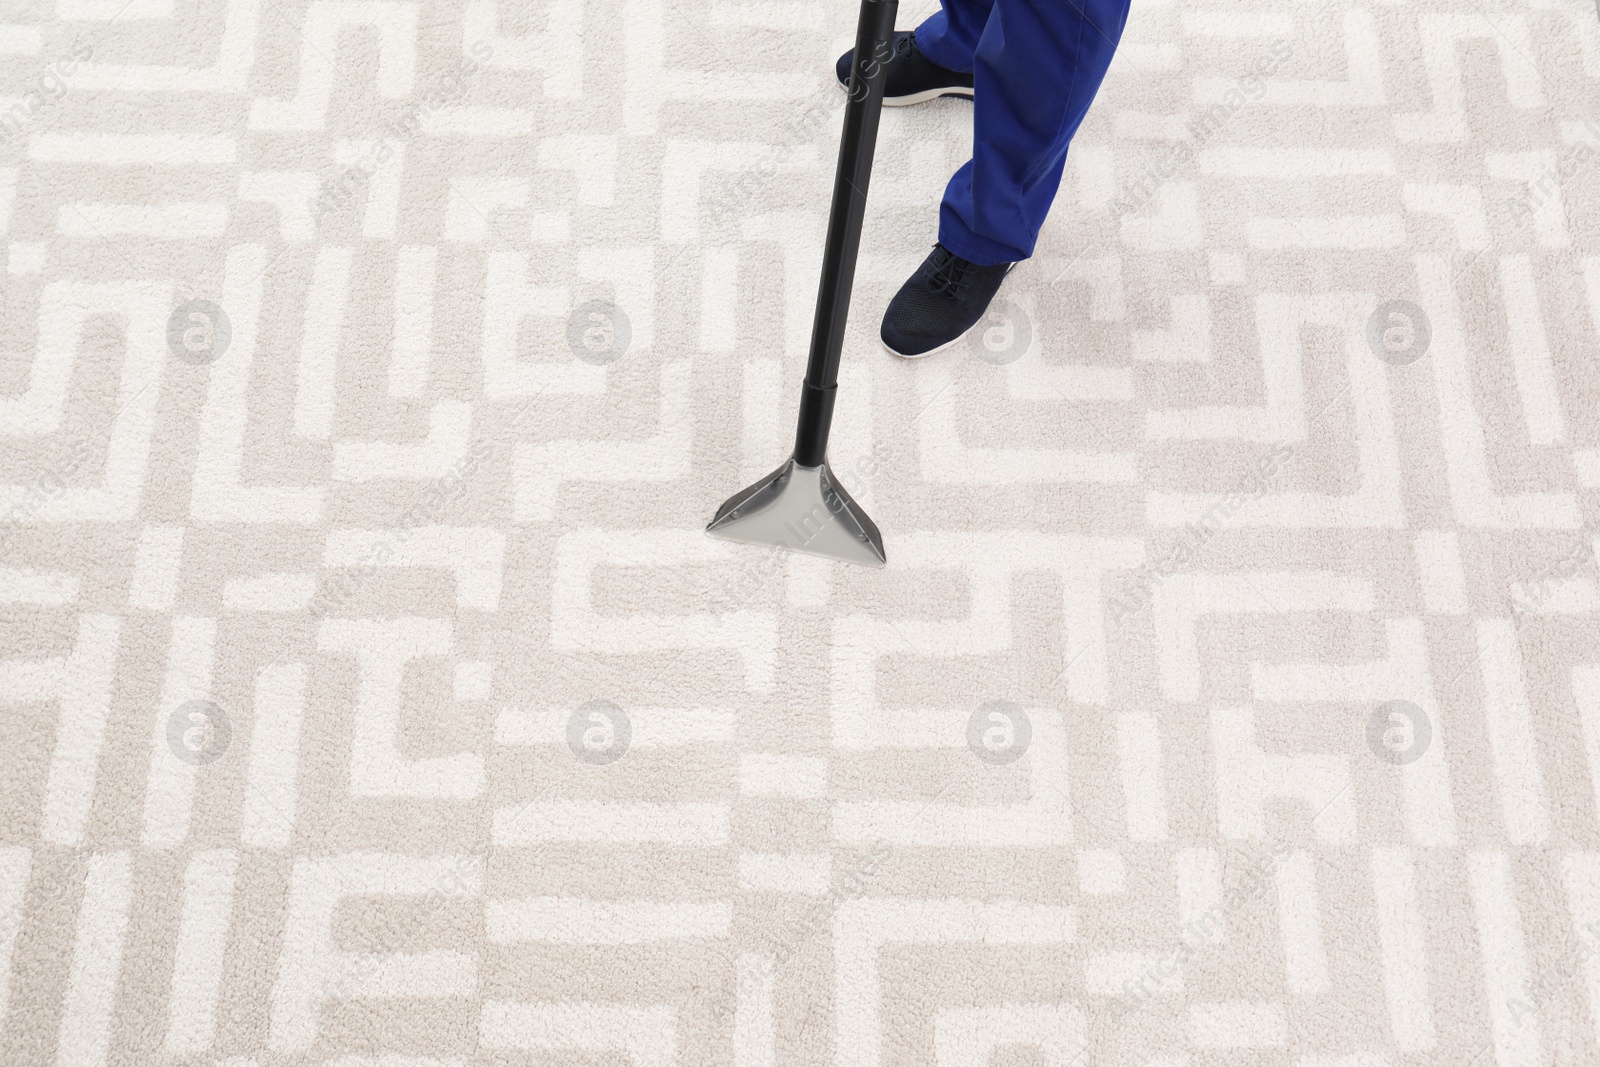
(803, 509)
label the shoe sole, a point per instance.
(926, 95)
(932, 351)
(957, 339)
(922, 97)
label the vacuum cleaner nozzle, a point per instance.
(802, 509)
(801, 506)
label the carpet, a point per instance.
(372, 696)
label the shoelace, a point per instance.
(951, 275)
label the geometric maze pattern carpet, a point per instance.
(371, 695)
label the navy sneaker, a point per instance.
(913, 77)
(939, 303)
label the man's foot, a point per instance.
(913, 77)
(939, 303)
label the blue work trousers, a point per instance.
(1036, 65)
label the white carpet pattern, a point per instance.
(372, 697)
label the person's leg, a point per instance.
(949, 37)
(1037, 66)
(933, 60)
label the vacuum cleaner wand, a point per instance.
(801, 506)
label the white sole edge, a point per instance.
(932, 351)
(930, 94)
(957, 339)
(918, 98)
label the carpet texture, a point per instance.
(371, 695)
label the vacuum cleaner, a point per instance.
(801, 506)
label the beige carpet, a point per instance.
(371, 696)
